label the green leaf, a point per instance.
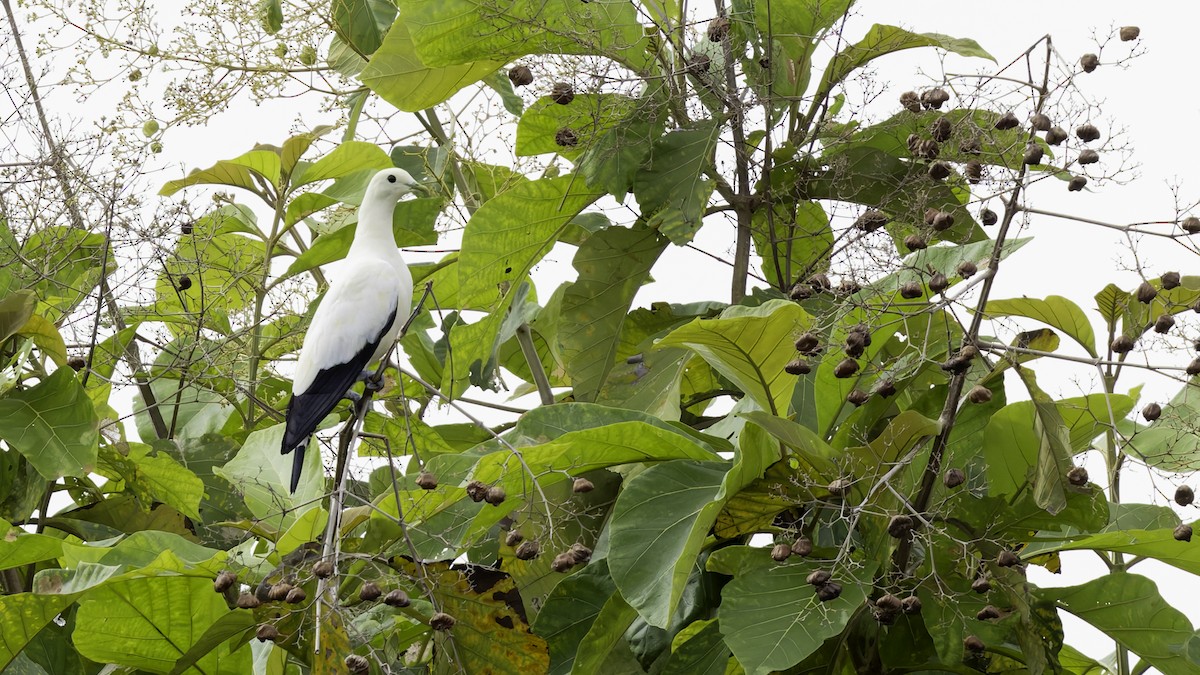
(499, 83)
(22, 616)
(1171, 443)
(588, 115)
(658, 525)
(53, 424)
(793, 242)
(18, 547)
(223, 267)
(605, 639)
(1029, 442)
(233, 625)
(671, 189)
(348, 158)
(238, 172)
(1129, 609)
(15, 310)
(698, 649)
(270, 15)
(452, 32)
(1159, 544)
(612, 265)
(295, 147)
(403, 79)
(363, 23)
(570, 611)
(150, 623)
(262, 475)
(881, 40)
(47, 338)
(750, 346)
(170, 483)
(770, 616)
(1054, 310)
(613, 159)
(819, 461)
(1112, 302)
(793, 29)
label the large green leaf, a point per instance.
(149, 623)
(672, 189)
(223, 266)
(452, 32)
(1054, 310)
(1171, 443)
(612, 265)
(1029, 442)
(569, 612)
(881, 40)
(613, 158)
(588, 115)
(793, 29)
(401, 78)
(792, 246)
(22, 616)
(363, 23)
(261, 474)
(348, 158)
(771, 618)
(243, 171)
(750, 346)
(1159, 544)
(698, 649)
(15, 310)
(658, 525)
(18, 547)
(53, 424)
(1129, 609)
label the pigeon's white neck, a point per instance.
(373, 236)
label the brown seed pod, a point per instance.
(1007, 558)
(1193, 368)
(1146, 293)
(582, 485)
(369, 591)
(322, 569)
(934, 98)
(520, 76)
(1088, 156)
(1164, 324)
(580, 553)
(820, 282)
(953, 478)
(885, 388)
(1123, 344)
(718, 29)
(987, 613)
(781, 552)
(1184, 495)
(77, 363)
(870, 220)
(938, 283)
(943, 221)
(477, 490)
(845, 368)
(267, 632)
(930, 214)
(848, 286)
(888, 603)
(829, 591)
(1183, 533)
(247, 601)
(562, 93)
(981, 585)
(928, 149)
(966, 269)
(698, 64)
(971, 146)
(441, 621)
(1007, 121)
(915, 242)
(913, 142)
(1170, 280)
(357, 664)
(808, 344)
(979, 394)
(910, 101)
(1077, 476)
(1089, 62)
(797, 367)
(857, 397)
(1056, 136)
(1087, 132)
(495, 495)
(973, 644)
(224, 581)
(396, 598)
(1152, 411)
(528, 550)
(426, 481)
(1129, 33)
(900, 526)
(186, 228)
(279, 591)
(884, 618)
(911, 290)
(800, 291)
(973, 170)
(1033, 154)
(513, 538)
(1191, 224)
(296, 596)
(988, 217)
(839, 487)
(566, 138)
(940, 129)
(857, 339)
(802, 547)
(184, 283)
(1040, 122)
(562, 562)
(1077, 184)
(818, 578)
(911, 605)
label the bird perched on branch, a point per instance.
(358, 320)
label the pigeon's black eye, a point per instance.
(391, 178)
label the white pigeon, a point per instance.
(357, 321)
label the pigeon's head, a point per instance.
(392, 184)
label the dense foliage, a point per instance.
(849, 407)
